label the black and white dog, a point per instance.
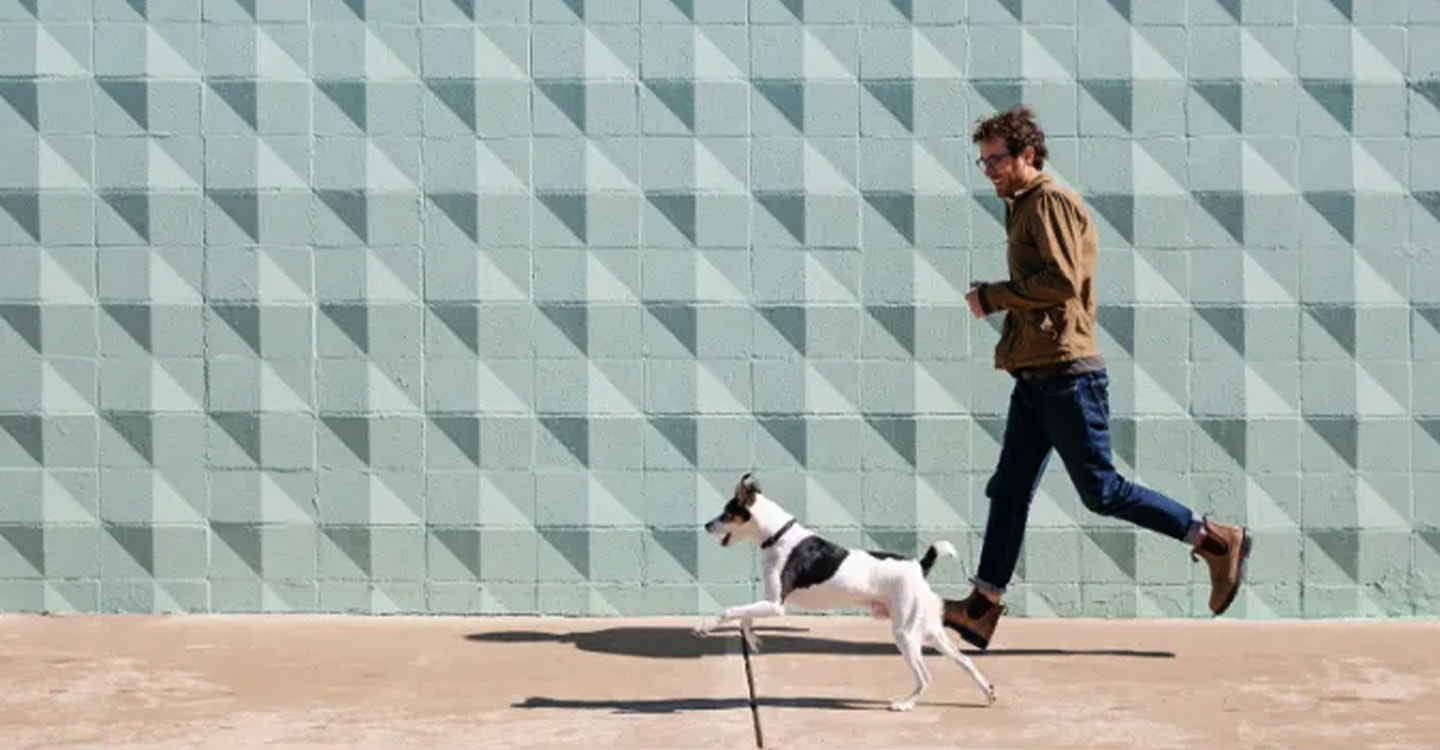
(803, 569)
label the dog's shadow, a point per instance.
(681, 643)
(678, 705)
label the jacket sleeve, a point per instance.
(1055, 228)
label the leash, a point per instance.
(750, 678)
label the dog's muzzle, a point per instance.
(713, 530)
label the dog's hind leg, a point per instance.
(942, 641)
(911, 646)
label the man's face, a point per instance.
(1007, 173)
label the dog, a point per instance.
(803, 569)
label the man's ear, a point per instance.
(747, 488)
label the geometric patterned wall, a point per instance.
(481, 306)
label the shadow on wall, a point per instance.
(681, 643)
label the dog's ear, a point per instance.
(747, 488)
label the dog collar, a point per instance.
(768, 543)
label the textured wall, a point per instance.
(481, 305)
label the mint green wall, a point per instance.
(481, 306)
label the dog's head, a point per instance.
(737, 518)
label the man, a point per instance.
(1060, 397)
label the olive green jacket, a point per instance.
(1049, 300)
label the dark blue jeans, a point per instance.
(1070, 414)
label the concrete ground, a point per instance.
(237, 683)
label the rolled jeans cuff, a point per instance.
(988, 588)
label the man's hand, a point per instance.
(973, 297)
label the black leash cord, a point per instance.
(750, 678)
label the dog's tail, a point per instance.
(937, 550)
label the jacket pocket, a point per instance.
(1050, 321)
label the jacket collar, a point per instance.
(1039, 179)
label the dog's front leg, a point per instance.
(770, 606)
(746, 613)
(746, 630)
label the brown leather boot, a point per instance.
(1225, 548)
(974, 618)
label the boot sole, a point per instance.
(1245, 541)
(973, 638)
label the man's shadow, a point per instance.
(681, 643)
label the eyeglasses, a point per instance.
(991, 162)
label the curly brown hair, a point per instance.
(1018, 128)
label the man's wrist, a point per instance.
(983, 298)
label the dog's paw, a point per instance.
(703, 629)
(902, 706)
(752, 640)
(990, 696)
